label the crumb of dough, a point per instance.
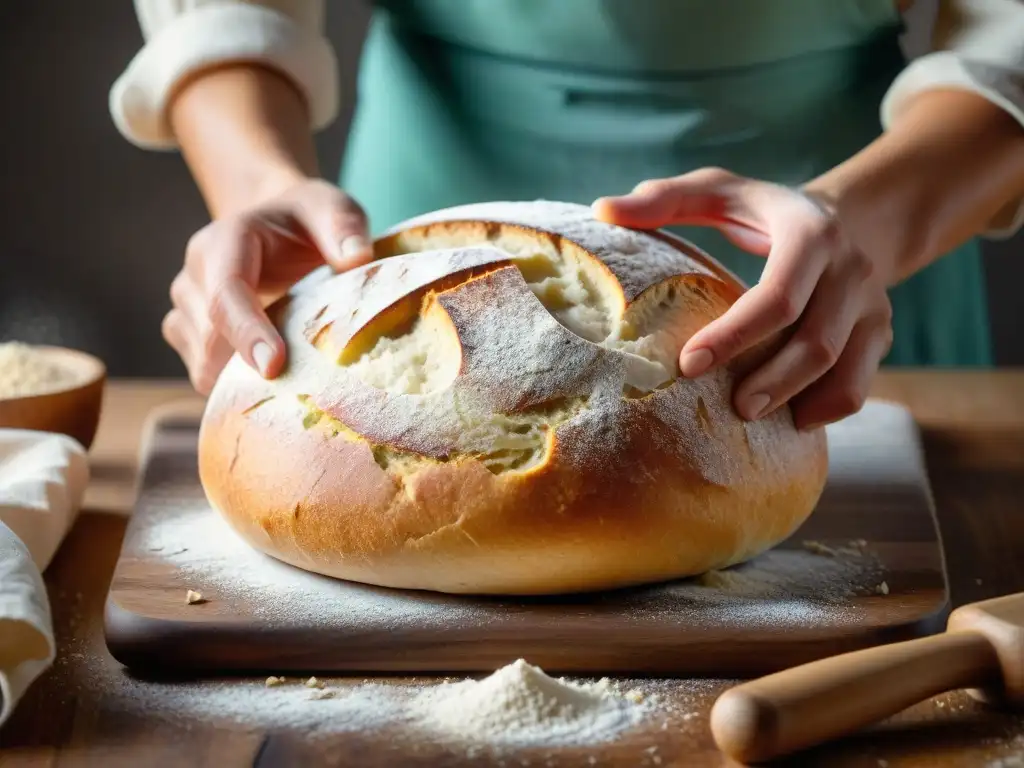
(818, 548)
(194, 598)
(317, 695)
(882, 589)
(273, 681)
(855, 548)
(314, 683)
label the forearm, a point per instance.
(244, 131)
(942, 173)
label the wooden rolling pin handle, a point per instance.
(807, 705)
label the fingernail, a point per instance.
(262, 354)
(693, 364)
(755, 406)
(354, 246)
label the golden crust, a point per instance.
(629, 487)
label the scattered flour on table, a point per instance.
(517, 706)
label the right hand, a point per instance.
(263, 250)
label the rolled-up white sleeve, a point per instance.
(185, 36)
(978, 46)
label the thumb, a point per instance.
(338, 228)
(709, 197)
(696, 197)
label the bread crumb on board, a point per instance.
(882, 589)
(818, 548)
(273, 681)
(854, 548)
(194, 598)
(314, 683)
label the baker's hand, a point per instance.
(232, 261)
(816, 283)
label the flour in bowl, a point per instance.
(24, 371)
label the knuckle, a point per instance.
(713, 175)
(822, 350)
(820, 237)
(862, 268)
(730, 340)
(828, 230)
(848, 400)
(885, 313)
(179, 287)
(653, 187)
(890, 337)
(241, 229)
(342, 221)
(781, 305)
(197, 246)
(247, 332)
(169, 328)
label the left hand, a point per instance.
(816, 283)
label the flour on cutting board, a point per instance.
(781, 588)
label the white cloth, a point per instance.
(42, 481)
(185, 36)
(978, 46)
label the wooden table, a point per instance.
(85, 711)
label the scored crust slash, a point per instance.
(493, 406)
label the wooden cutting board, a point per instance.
(865, 569)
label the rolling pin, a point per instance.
(981, 650)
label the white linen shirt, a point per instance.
(978, 46)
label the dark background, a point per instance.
(92, 229)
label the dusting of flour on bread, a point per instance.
(532, 317)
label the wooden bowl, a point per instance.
(73, 410)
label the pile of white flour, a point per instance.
(522, 705)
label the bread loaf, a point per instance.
(493, 406)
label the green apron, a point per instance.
(464, 101)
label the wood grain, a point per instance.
(86, 711)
